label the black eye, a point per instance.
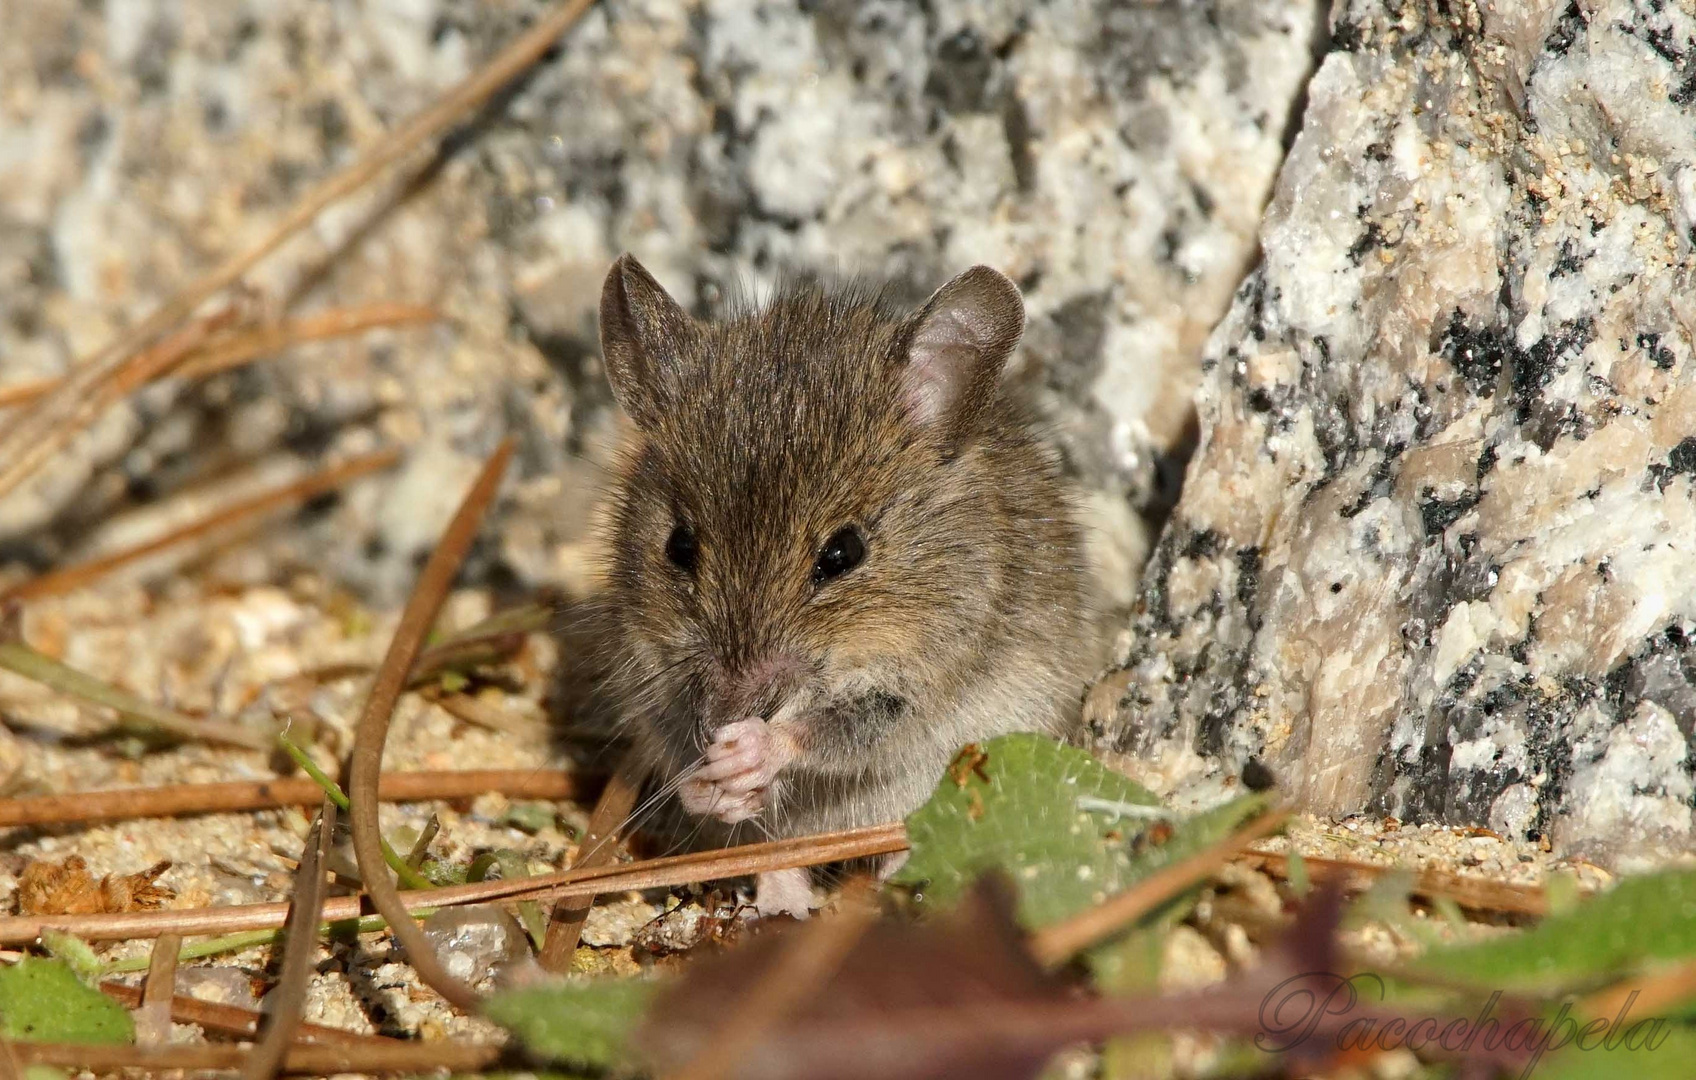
(840, 554)
(680, 548)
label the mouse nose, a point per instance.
(757, 688)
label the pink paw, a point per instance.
(731, 785)
(784, 892)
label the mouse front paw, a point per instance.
(733, 782)
(784, 892)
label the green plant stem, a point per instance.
(409, 877)
(249, 939)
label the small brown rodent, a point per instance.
(837, 553)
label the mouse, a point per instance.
(838, 550)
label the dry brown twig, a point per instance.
(598, 848)
(234, 1020)
(667, 872)
(300, 948)
(232, 349)
(242, 347)
(126, 804)
(153, 1022)
(365, 764)
(96, 383)
(94, 386)
(1059, 942)
(1468, 891)
(290, 494)
(476, 711)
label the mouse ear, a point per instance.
(956, 346)
(641, 329)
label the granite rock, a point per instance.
(1113, 158)
(1433, 556)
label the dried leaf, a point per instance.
(67, 888)
(896, 969)
(957, 996)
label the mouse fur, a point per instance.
(844, 672)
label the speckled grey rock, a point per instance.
(1114, 158)
(1436, 554)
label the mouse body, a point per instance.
(837, 553)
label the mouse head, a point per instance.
(806, 526)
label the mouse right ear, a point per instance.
(956, 346)
(641, 330)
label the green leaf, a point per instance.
(44, 1001)
(1643, 918)
(1130, 964)
(453, 682)
(529, 817)
(1652, 1050)
(1066, 828)
(74, 951)
(583, 1023)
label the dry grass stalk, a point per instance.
(300, 949)
(234, 1020)
(243, 347)
(1472, 893)
(125, 804)
(673, 870)
(474, 710)
(20, 659)
(490, 641)
(1059, 942)
(93, 387)
(89, 389)
(153, 1020)
(232, 349)
(365, 764)
(25, 391)
(598, 848)
(291, 494)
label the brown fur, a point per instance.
(971, 614)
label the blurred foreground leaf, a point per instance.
(1644, 918)
(1666, 1053)
(584, 1023)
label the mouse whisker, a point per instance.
(637, 817)
(665, 790)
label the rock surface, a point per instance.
(1433, 557)
(1113, 158)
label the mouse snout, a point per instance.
(756, 689)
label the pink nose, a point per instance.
(757, 689)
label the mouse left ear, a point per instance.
(955, 347)
(642, 331)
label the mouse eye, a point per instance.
(680, 548)
(840, 554)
